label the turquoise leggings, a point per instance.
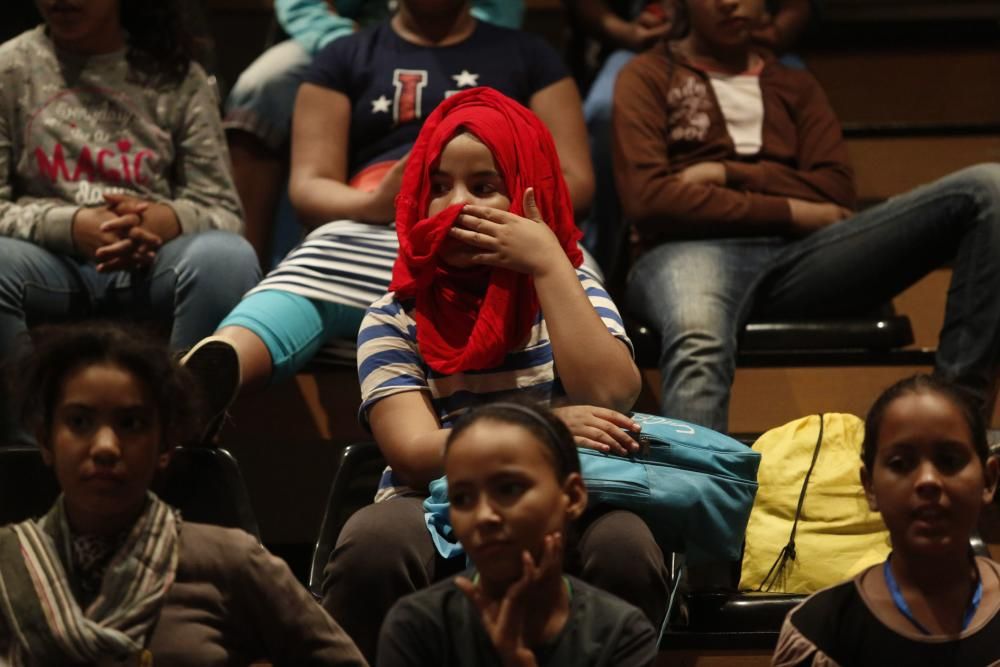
(293, 327)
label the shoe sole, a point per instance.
(216, 366)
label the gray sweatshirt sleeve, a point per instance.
(47, 222)
(204, 196)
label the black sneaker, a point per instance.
(216, 365)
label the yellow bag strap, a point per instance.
(787, 552)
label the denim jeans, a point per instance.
(699, 294)
(263, 97)
(193, 283)
(602, 231)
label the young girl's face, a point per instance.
(465, 174)
(104, 442)
(505, 496)
(927, 480)
(85, 26)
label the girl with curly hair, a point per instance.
(112, 574)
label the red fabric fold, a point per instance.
(469, 319)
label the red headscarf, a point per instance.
(470, 319)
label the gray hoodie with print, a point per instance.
(73, 128)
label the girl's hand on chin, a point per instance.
(508, 241)
(504, 619)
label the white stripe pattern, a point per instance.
(349, 263)
(389, 363)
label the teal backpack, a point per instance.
(694, 487)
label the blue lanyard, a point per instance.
(904, 608)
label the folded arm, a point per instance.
(318, 184)
(746, 199)
(410, 437)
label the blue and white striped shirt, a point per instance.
(389, 363)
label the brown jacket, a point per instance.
(233, 602)
(666, 117)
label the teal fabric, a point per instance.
(438, 522)
(293, 327)
(504, 13)
(693, 486)
(313, 25)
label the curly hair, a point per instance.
(61, 349)
(160, 44)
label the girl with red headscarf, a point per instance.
(486, 303)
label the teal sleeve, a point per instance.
(504, 13)
(312, 24)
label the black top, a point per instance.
(393, 85)
(836, 626)
(439, 626)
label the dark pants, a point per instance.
(385, 552)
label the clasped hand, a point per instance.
(113, 235)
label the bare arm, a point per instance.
(318, 183)
(559, 107)
(410, 436)
(595, 368)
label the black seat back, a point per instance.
(204, 483)
(354, 484)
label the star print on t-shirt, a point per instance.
(381, 105)
(466, 78)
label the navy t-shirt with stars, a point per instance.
(393, 85)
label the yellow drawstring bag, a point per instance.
(810, 526)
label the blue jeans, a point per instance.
(699, 294)
(602, 231)
(194, 281)
(263, 98)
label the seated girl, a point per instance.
(927, 469)
(115, 193)
(514, 488)
(356, 117)
(111, 573)
(487, 246)
(258, 118)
